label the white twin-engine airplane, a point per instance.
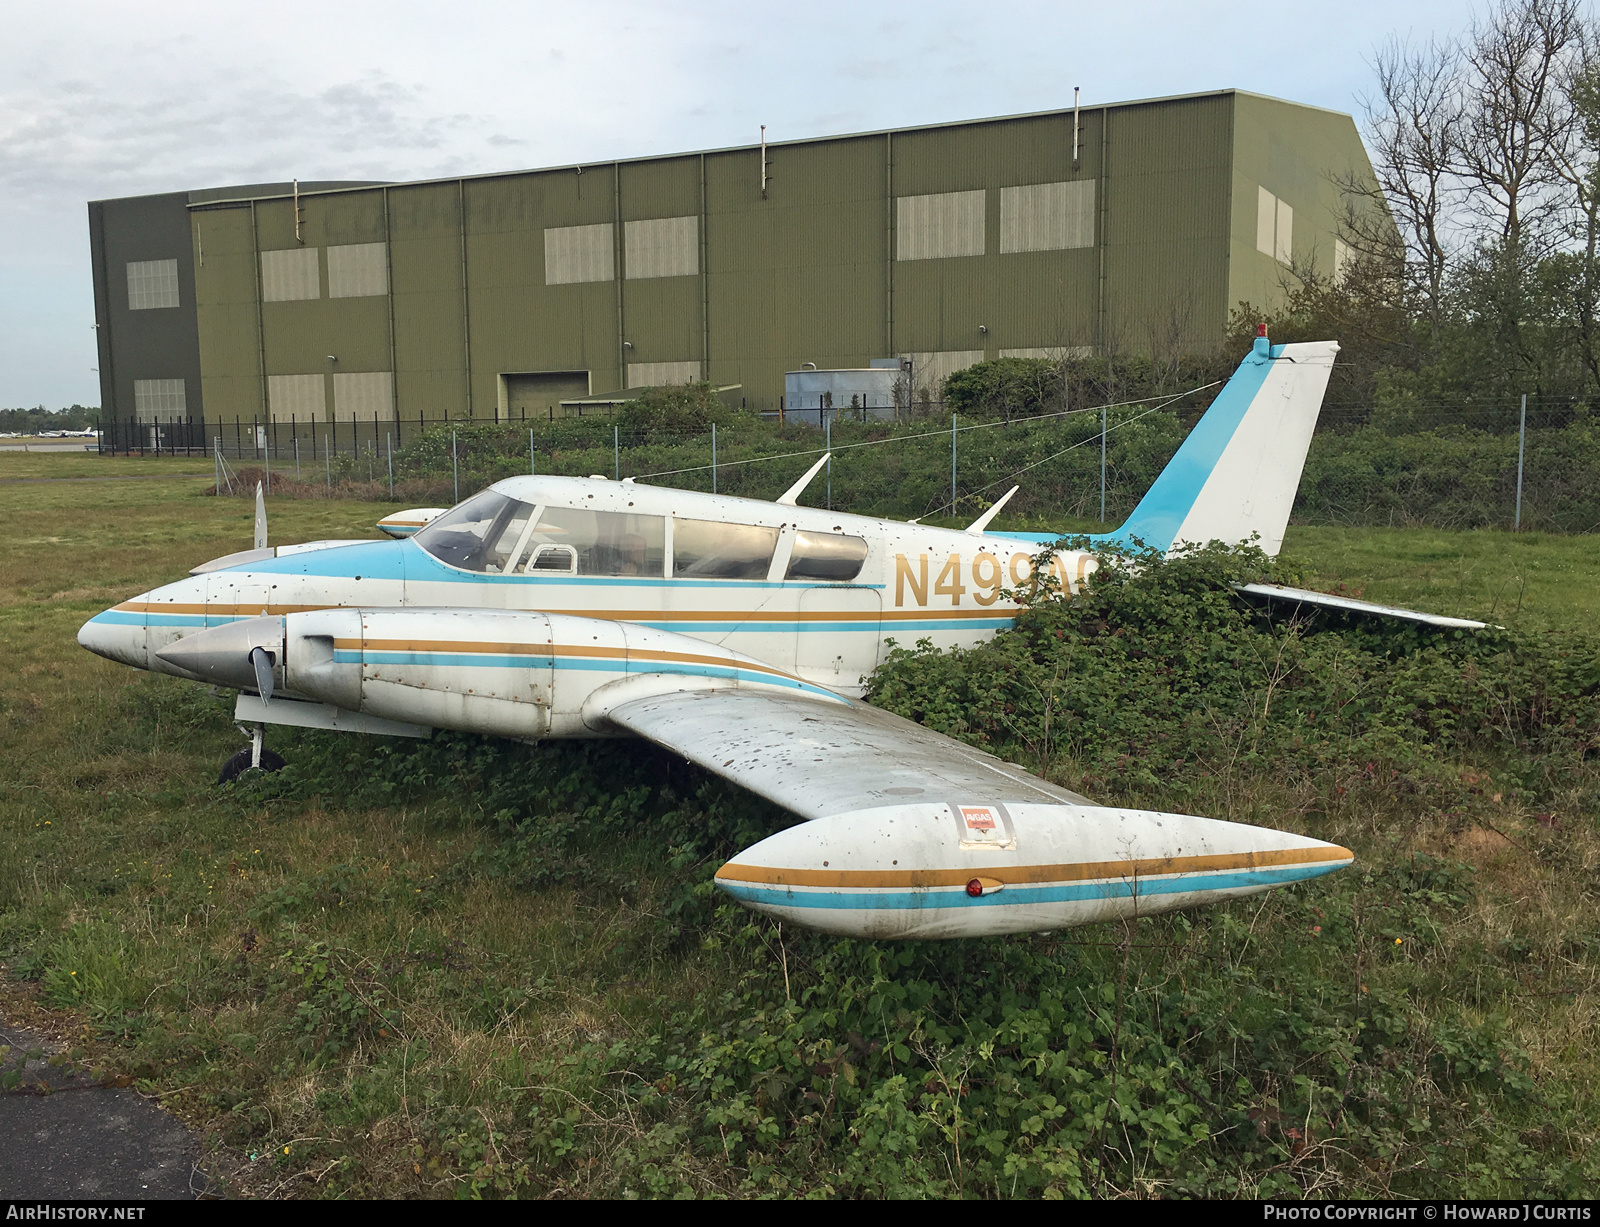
(738, 633)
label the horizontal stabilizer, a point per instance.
(1280, 593)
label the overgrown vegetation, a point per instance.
(464, 967)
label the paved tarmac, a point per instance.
(66, 1133)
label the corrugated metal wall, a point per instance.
(943, 243)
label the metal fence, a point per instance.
(1446, 466)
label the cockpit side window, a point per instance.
(702, 549)
(477, 535)
(831, 557)
(602, 542)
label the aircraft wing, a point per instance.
(819, 759)
(1346, 604)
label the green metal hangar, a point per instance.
(1125, 227)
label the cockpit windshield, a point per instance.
(480, 534)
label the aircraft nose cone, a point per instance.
(222, 653)
(116, 636)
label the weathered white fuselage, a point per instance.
(915, 583)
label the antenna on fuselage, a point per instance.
(261, 519)
(788, 497)
(975, 529)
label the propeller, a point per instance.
(261, 661)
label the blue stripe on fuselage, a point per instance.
(491, 660)
(931, 899)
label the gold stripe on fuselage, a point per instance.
(1016, 874)
(585, 651)
(218, 610)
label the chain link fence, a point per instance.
(1453, 467)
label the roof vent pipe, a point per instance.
(1075, 90)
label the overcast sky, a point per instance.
(123, 97)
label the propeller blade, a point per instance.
(261, 659)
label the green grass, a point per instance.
(1529, 580)
(411, 992)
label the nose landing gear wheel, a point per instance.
(241, 762)
(256, 757)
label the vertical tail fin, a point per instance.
(1238, 471)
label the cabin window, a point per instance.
(477, 535)
(702, 549)
(602, 542)
(831, 557)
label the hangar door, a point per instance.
(538, 394)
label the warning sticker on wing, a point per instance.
(978, 817)
(984, 826)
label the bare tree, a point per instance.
(1577, 163)
(1414, 125)
(1518, 118)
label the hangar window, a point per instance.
(364, 396)
(302, 397)
(944, 224)
(480, 534)
(661, 247)
(702, 549)
(601, 542)
(1274, 227)
(358, 270)
(579, 253)
(661, 374)
(152, 283)
(159, 400)
(831, 557)
(1047, 216)
(289, 275)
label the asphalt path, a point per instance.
(67, 1133)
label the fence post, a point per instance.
(1102, 464)
(266, 465)
(713, 457)
(327, 463)
(1522, 442)
(952, 464)
(827, 446)
(533, 456)
(297, 456)
(388, 447)
(455, 466)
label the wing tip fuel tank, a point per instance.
(916, 871)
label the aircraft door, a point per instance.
(840, 634)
